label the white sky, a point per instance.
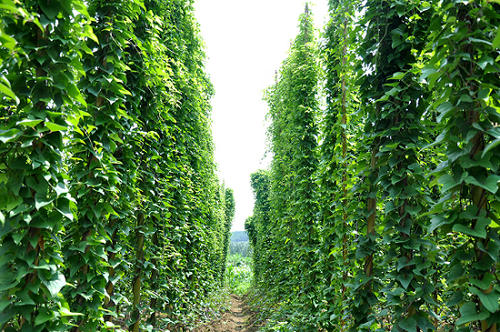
(246, 41)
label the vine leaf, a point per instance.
(29, 122)
(66, 313)
(397, 76)
(436, 222)
(54, 126)
(44, 316)
(4, 304)
(496, 41)
(41, 201)
(49, 9)
(8, 135)
(8, 202)
(8, 92)
(409, 324)
(55, 285)
(490, 184)
(9, 5)
(444, 109)
(448, 182)
(468, 314)
(485, 283)
(478, 231)
(490, 146)
(490, 300)
(405, 280)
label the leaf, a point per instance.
(125, 92)
(90, 33)
(483, 94)
(479, 41)
(60, 189)
(28, 123)
(397, 76)
(394, 91)
(74, 93)
(436, 222)
(368, 324)
(408, 324)
(492, 248)
(8, 92)
(496, 41)
(8, 135)
(55, 285)
(2, 221)
(490, 184)
(456, 272)
(485, 283)
(54, 126)
(490, 146)
(49, 8)
(489, 301)
(448, 182)
(468, 314)
(4, 304)
(41, 201)
(43, 266)
(7, 42)
(17, 237)
(8, 201)
(478, 231)
(444, 109)
(44, 316)
(426, 72)
(405, 280)
(64, 209)
(66, 313)
(10, 6)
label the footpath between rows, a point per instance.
(239, 318)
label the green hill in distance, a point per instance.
(239, 236)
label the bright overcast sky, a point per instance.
(246, 41)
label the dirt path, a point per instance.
(237, 319)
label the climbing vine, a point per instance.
(111, 213)
(406, 171)
(464, 70)
(35, 201)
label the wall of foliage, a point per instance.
(381, 209)
(111, 212)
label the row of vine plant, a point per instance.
(381, 207)
(111, 213)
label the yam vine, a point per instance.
(111, 213)
(406, 168)
(379, 211)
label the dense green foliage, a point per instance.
(239, 274)
(381, 211)
(111, 212)
(293, 134)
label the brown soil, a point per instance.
(239, 318)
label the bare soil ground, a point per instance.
(239, 318)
